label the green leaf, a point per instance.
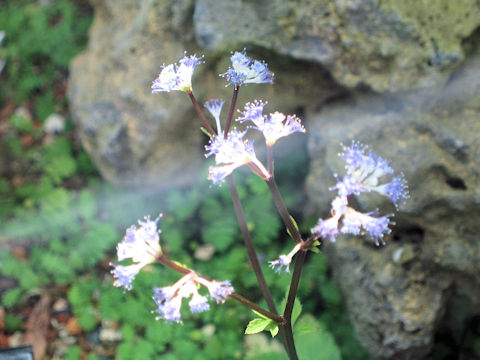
(73, 353)
(12, 322)
(295, 224)
(87, 319)
(313, 341)
(12, 297)
(257, 325)
(260, 324)
(314, 247)
(61, 167)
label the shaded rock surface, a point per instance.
(385, 45)
(398, 293)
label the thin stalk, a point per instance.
(252, 255)
(173, 265)
(233, 104)
(292, 352)
(292, 292)
(199, 111)
(275, 317)
(270, 159)
(282, 209)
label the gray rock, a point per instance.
(385, 45)
(130, 133)
(395, 302)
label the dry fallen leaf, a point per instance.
(37, 327)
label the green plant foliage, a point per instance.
(221, 232)
(39, 43)
(260, 324)
(54, 265)
(12, 322)
(11, 297)
(20, 270)
(313, 341)
(73, 353)
(22, 124)
(81, 298)
(57, 160)
(45, 105)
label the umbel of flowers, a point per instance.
(231, 149)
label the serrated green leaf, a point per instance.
(273, 328)
(12, 297)
(60, 167)
(257, 325)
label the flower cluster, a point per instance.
(274, 126)
(142, 246)
(169, 298)
(365, 172)
(233, 152)
(244, 70)
(177, 77)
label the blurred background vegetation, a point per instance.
(60, 223)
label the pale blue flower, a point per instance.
(198, 303)
(274, 126)
(177, 76)
(219, 290)
(282, 263)
(169, 298)
(214, 106)
(254, 113)
(125, 274)
(142, 246)
(244, 70)
(230, 154)
(367, 171)
(327, 228)
(357, 223)
(168, 304)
